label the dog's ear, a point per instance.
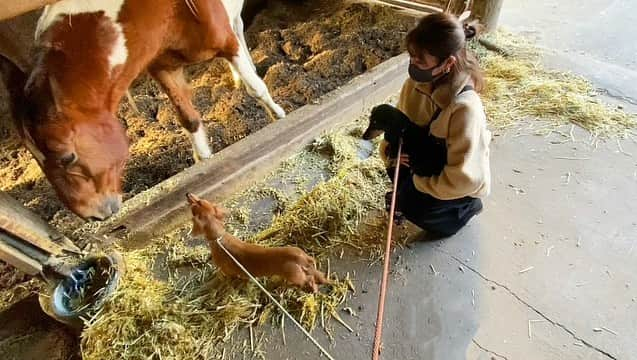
(197, 228)
(220, 212)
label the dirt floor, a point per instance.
(27, 333)
(325, 45)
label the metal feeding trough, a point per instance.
(78, 285)
(83, 292)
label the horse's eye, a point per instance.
(67, 160)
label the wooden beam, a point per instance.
(253, 157)
(21, 261)
(13, 8)
(420, 7)
(488, 12)
(24, 224)
(457, 7)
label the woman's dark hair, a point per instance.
(443, 35)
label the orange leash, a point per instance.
(383, 285)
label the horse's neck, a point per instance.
(89, 58)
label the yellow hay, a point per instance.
(197, 308)
(518, 87)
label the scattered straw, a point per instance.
(609, 330)
(172, 303)
(527, 269)
(518, 87)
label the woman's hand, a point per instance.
(404, 160)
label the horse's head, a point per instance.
(84, 157)
(82, 150)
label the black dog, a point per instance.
(427, 154)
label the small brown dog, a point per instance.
(290, 263)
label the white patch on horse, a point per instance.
(111, 8)
(242, 65)
(119, 53)
(233, 8)
(200, 145)
(254, 85)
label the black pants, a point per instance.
(440, 218)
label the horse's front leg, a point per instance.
(174, 84)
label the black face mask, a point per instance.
(423, 76)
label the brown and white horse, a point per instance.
(87, 53)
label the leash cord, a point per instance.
(307, 334)
(383, 285)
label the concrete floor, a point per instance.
(563, 211)
(594, 38)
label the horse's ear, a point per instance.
(14, 80)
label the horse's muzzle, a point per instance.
(110, 206)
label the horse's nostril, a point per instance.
(115, 206)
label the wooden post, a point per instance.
(488, 12)
(13, 8)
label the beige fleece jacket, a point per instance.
(462, 123)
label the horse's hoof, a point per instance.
(199, 158)
(200, 147)
(278, 112)
(202, 154)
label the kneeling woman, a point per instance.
(441, 94)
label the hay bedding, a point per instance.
(193, 309)
(325, 44)
(519, 87)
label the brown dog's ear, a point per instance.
(220, 213)
(197, 229)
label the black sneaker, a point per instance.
(399, 218)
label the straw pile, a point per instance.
(195, 308)
(519, 87)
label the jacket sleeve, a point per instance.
(459, 176)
